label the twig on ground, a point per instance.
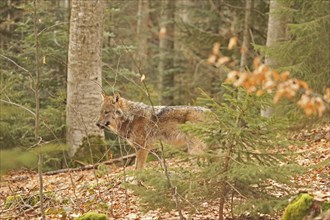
(91, 166)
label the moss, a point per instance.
(325, 206)
(298, 208)
(102, 170)
(31, 200)
(92, 216)
(13, 200)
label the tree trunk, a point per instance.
(184, 14)
(246, 34)
(277, 28)
(84, 71)
(36, 90)
(142, 35)
(223, 181)
(276, 32)
(166, 47)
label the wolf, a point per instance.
(143, 125)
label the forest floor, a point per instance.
(71, 193)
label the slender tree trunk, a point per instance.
(184, 14)
(246, 34)
(277, 26)
(223, 182)
(142, 35)
(142, 16)
(37, 111)
(166, 47)
(84, 71)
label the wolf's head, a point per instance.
(111, 111)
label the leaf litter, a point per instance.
(70, 194)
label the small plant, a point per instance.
(246, 160)
(22, 201)
(247, 154)
(13, 201)
(92, 216)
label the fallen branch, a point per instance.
(91, 166)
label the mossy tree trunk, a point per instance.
(84, 71)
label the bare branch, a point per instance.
(18, 105)
(12, 61)
(89, 167)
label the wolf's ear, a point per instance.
(103, 95)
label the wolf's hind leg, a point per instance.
(141, 158)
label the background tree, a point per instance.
(166, 49)
(142, 37)
(17, 81)
(84, 72)
(276, 33)
(302, 51)
(246, 34)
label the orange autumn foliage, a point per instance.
(266, 80)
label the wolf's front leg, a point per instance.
(141, 158)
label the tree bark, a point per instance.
(142, 35)
(277, 29)
(223, 181)
(84, 71)
(166, 47)
(276, 32)
(246, 34)
(36, 90)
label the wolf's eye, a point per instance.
(106, 112)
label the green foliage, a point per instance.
(298, 208)
(245, 151)
(305, 53)
(53, 118)
(92, 216)
(325, 206)
(264, 203)
(17, 157)
(16, 127)
(297, 118)
(18, 72)
(53, 155)
(102, 170)
(156, 184)
(255, 146)
(156, 193)
(13, 201)
(23, 200)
